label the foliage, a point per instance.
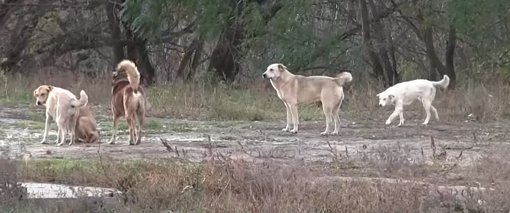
(485, 25)
(150, 18)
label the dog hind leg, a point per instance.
(336, 117)
(140, 117)
(131, 120)
(328, 114)
(114, 131)
(426, 105)
(63, 131)
(434, 110)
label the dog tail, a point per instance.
(443, 83)
(84, 99)
(342, 78)
(133, 75)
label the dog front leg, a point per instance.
(46, 129)
(295, 117)
(393, 115)
(289, 118)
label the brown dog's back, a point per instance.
(86, 130)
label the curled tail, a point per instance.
(84, 99)
(132, 73)
(443, 83)
(342, 78)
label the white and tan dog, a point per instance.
(294, 89)
(405, 93)
(61, 105)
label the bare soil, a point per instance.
(253, 141)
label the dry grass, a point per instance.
(222, 185)
(234, 186)
(255, 102)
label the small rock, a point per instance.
(48, 152)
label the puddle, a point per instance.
(49, 191)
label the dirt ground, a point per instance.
(22, 128)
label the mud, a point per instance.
(22, 128)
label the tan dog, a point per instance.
(60, 105)
(128, 100)
(86, 128)
(294, 89)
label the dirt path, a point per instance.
(22, 127)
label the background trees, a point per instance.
(234, 40)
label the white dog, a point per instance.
(405, 93)
(61, 105)
(294, 89)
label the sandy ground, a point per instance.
(253, 141)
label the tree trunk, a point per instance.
(435, 62)
(19, 36)
(190, 61)
(450, 54)
(115, 34)
(224, 59)
(377, 66)
(390, 70)
(136, 46)
(137, 52)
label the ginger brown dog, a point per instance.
(86, 127)
(128, 100)
(294, 89)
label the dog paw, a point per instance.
(44, 141)
(388, 122)
(424, 124)
(293, 131)
(59, 144)
(334, 133)
(285, 130)
(112, 141)
(324, 133)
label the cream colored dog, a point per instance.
(61, 105)
(294, 89)
(405, 93)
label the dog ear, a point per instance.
(281, 67)
(391, 97)
(35, 93)
(50, 88)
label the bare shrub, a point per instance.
(11, 191)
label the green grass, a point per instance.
(29, 125)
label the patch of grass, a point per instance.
(181, 127)
(29, 125)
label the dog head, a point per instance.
(385, 99)
(274, 71)
(41, 94)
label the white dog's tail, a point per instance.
(343, 77)
(133, 75)
(84, 99)
(443, 83)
